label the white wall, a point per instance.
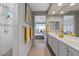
(6, 40)
(40, 18)
(15, 32)
(23, 47)
(14, 39)
(6, 37)
(20, 47)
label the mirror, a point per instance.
(69, 24)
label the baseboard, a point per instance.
(28, 50)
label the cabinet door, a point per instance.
(49, 40)
(72, 52)
(55, 46)
(53, 43)
(62, 49)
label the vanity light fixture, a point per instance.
(72, 4)
(61, 12)
(60, 4)
(53, 12)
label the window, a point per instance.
(40, 27)
(40, 24)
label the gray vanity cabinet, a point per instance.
(62, 49)
(55, 46)
(72, 52)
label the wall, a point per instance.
(23, 47)
(21, 17)
(77, 25)
(16, 32)
(14, 38)
(6, 38)
(40, 18)
(20, 47)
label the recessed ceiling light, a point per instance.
(72, 4)
(53, 12)
(61, 12)
(60, 4)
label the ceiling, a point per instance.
(65, 8)
(39, 6)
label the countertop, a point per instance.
(68, 40)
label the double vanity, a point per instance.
(67, 46)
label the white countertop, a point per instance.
(70, 41)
